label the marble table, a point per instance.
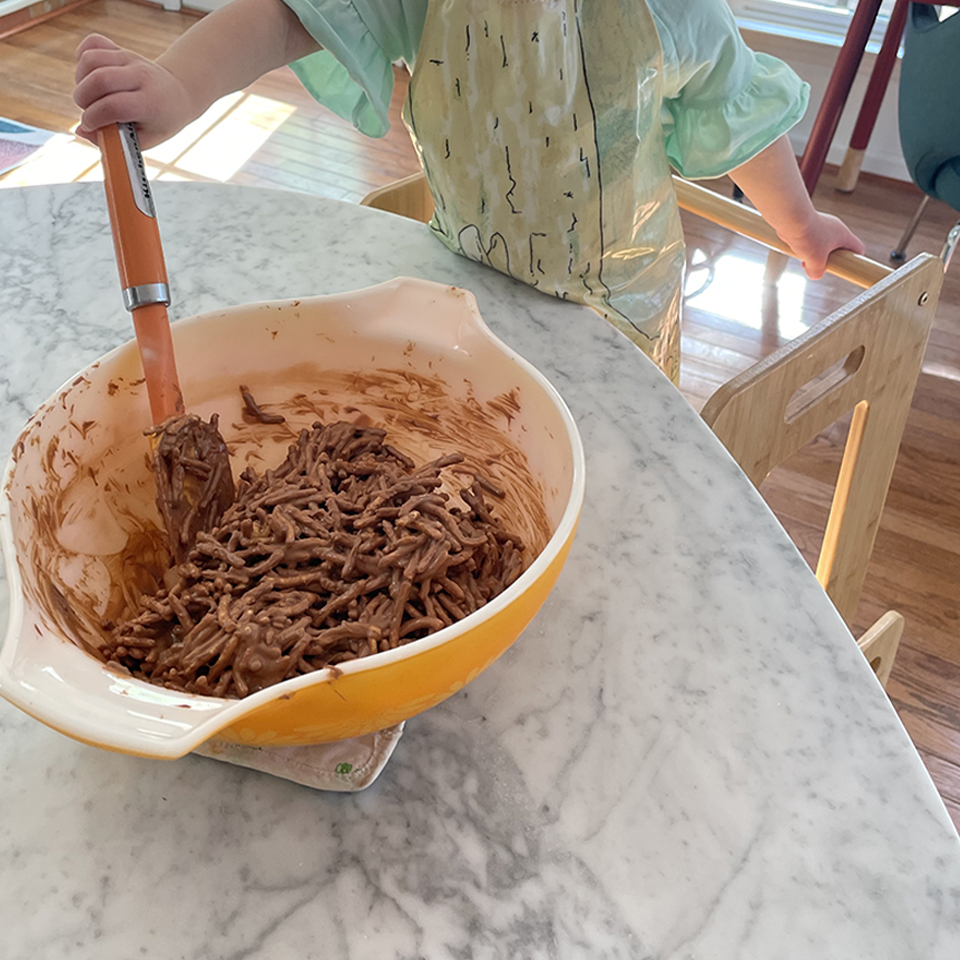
(685, 755)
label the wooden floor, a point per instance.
(274, 135)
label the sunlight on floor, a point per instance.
(946, 371)
(733, 288)
(213, 147)
(219, 154)
(176, 146)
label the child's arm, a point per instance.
(223, 52)
(772, 182)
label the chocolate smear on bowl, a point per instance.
(253, 410)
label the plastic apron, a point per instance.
(538, 126)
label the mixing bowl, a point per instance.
(81, 534)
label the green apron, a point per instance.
(538, 126)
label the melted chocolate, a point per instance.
(253, 409)
(344, 550)
(191, 466)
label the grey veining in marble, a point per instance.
(685, 755)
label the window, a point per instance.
(824, 21)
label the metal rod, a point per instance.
(900, 251)
(950, 245)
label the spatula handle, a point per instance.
(143, 275)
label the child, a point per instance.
(546, 128)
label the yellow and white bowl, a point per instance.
(80, 531)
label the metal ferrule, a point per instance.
(146, 293)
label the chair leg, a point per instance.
(879, 644)
(899, 254)
(850, 170)
(950, 245)
(838, 89)
(873, 98)
(776, 264)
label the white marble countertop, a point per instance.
(685, 755)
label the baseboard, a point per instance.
(39, 12)
(190, 11)
(29, 16)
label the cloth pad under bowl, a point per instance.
(344, 766)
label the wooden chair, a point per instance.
(409, 197)
(865, 357)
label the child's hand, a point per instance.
(821, 236)
(116, 86)
(772, 181)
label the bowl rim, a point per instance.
(232, 710)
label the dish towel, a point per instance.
(345, 766)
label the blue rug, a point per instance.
(18, 142)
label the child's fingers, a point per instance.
(815, 268)
(94, 42)
(856, 245)
(843, 238)
(104, 82)
(91, 60)
(125, 107)
(90, 135)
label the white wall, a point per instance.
(814, 62)
(12, 6)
